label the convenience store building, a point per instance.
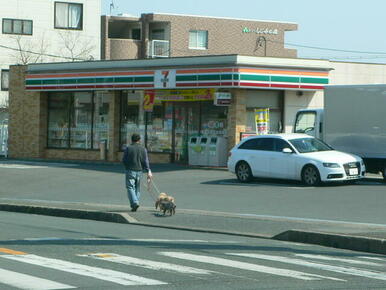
(72, 110)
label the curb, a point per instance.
(341, 241)
(68, 213)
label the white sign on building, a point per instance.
(165, 79)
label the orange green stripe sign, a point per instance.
(233, 77)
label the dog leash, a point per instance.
(149, 185)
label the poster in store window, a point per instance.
(148, 100)
(262, 121)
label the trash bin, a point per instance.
(217, 151)
(193, 150)
(204, 151)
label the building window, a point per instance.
(17, 26)
(68, 15)
(136, 33)
(158, 34)
(198, 39)
(4, 79)
(78, 120)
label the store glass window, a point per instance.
(81, 121)
(213, 119)
(101, 118)
(132, 117)
(159, 128)
(78, 120)
(275, 120)
(59, 105)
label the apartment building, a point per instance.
(168, 35)
(46, 31)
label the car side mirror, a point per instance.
(287, 151)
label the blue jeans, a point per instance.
(133, 186)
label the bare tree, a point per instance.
(28, 51)
(75, 47)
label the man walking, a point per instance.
(135, 160)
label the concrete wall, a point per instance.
(348, 73)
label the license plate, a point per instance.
(353, 171)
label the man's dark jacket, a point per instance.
(135, 158)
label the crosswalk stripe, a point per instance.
(345, 260)
(338, 269)
(148, 264)
(79, 269)
(372, 258)
(23, 281)
(244, 266)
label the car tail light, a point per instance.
(229, 154)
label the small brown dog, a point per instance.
(165, 203)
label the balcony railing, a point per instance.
(159, 48)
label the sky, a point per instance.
(340, 30)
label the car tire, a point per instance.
(310, 175)
(244, 172)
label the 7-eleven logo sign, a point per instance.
(165, 79)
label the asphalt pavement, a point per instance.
(366, 237)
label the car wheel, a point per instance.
(244, 172)
(310, 175)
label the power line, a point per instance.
(377, 55)
(327, 49)
(40, 54)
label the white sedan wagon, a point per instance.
(292, 156)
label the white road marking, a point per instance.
(23, 281)
(79, 269)
(126, 240)
(148, 264)
(244, 266)
(18, 166)
(338, 269)
(36, 164)
(372, 258)
(345, 260)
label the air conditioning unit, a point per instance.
(159, 48)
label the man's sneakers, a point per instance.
(135, 207)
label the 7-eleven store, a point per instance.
(72, 110)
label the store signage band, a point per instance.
(230, 77)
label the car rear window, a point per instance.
(265, 144)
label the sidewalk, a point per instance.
(353, 236)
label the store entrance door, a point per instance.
(186, 123)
